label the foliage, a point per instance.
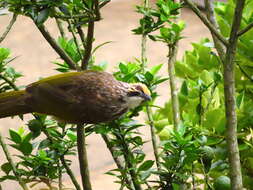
(194, 154)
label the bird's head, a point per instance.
(136, 94)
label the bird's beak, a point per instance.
(146, 97)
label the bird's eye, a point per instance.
(134, 93)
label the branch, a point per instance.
(81, 35)
(154, 140)
(70, 173)
(104, 3)
(75, 39)
(116, 159)
(206, 22)
(171, 70)
(88, 45)
(210, 16)
(246, 29)
(8, 28)
(128, 156)
(60, 27)
(230, 103)
(13, 167)
(63, 161)
(97, 12)
(56, 47)
(83, 160)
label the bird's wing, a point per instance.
(52, 95)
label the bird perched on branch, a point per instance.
(76, 97)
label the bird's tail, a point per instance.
(13, 103)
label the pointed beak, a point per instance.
(146, 97)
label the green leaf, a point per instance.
(6, 168)
(44, 144)
(181, 129)
(42, 16)
(184, 88)
(42, 154)
(146, 165)
(4, 54)
(239, 100)
(149, 76)
(123, 68)
(154, 70)
(15, 136)
(26, 148)
(27, 138)
(71, 135)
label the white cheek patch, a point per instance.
(134, 101)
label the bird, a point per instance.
(88, 97)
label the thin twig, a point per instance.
(60, 185)
(144, 41)
(206, 22)
(206, 178)
(244, 30)
(116, 159)
(56, 47)
(13, 166)
(104, 3)
(82, 36)
(8, 28)
(63, 161)
(70, 173)
(230, 102)
(153, 138)
(148, 109)
(83, 159)
(193, 178)
(88, 44)
(78, 16)
(75, 39)
(60, 27)
(128, 156)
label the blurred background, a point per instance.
(35, 56)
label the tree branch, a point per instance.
(116, 159)
(8, 28)
(230, 103)
(153, 138)
(97, 11)
(219, 46)
(148, 109)
(75, 39)
(70, 173)
(81, 35)
(13, 167)
(57, 48)
(83, 160)
(104, 3)
(171, 70)
(60, 27)
(246, 29)
(63, 161)
(88, 45)
(206, 22)
(128, 156)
